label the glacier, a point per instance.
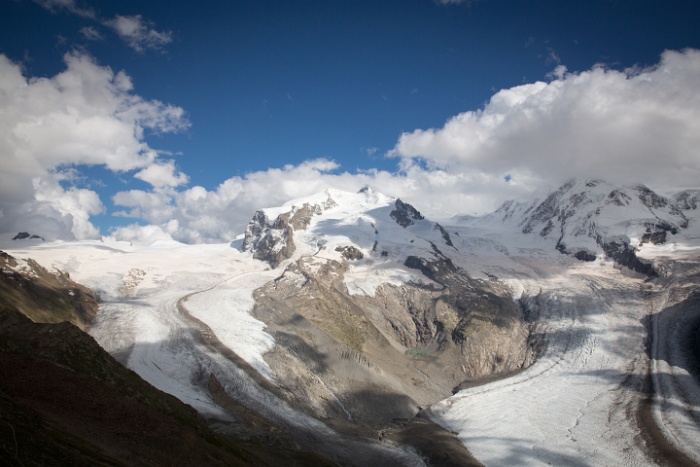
(606, 330)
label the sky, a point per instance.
(154, 120)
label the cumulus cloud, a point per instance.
(162, 174)
(138, 33)
(221, 214)
(146, 234)
(629, 126)
(636, 125)
(85, 115)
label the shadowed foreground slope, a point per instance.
(66, 401)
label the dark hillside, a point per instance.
(65, 401)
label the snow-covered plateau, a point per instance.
(561, 331)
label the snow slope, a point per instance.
(569, 407)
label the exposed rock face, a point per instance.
(545, 212)
(374, 356)
(65, 401)
(582, 255)
(275, 243)
(44, 296)
(687, 200)
(404, 214)
(656, 232)
(372, 359)
(625, 255)
(350, 252)
(445, 235)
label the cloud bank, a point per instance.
(85, 115)
(628, 126)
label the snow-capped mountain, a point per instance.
(592, 218)
(339, 225)
(337, 314)
(387, 298)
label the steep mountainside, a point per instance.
(45, 297)
(369, 306)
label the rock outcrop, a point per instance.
(404, 214)
(274, 243)
(371, 359)
(43, 296)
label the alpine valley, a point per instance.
(349, 329)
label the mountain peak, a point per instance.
(589, 218)
(405, 214)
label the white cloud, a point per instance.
(69, 5)
(91, 34)
(637, 125)
(162, 174)
(144, 234)
(197, 215)
(219, 215)
(138, 33)
(86, 114)
(54, 212)
(72, 204)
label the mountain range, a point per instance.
(350, 329)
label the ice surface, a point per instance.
(576, 404)
(144, 291)
(225, 308)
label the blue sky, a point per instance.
(306, 94)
